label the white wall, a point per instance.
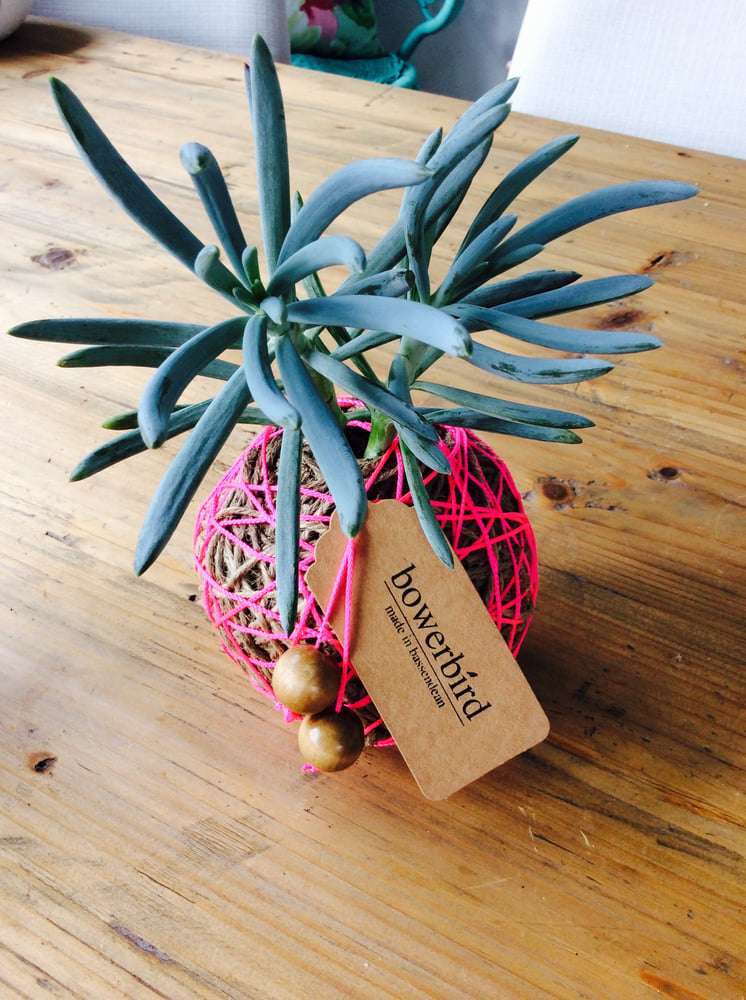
(466, 58)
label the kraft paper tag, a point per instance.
(439, 672)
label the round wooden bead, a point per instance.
(331, 740)
(305, 680)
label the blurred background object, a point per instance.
(466, 59)
(12, 14)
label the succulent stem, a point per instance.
(327, 392)
(381, 435)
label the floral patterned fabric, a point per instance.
(342, 28)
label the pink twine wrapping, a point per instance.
(470, 501)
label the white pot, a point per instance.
(12, 13)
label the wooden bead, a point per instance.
(305, 680)
(331, 740)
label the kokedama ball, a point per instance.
(478, 506)
(331, 740)
(305, 680)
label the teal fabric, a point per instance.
(388, 69)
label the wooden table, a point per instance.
(158, 837)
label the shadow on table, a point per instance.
(37, 36)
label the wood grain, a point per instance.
(157, 836)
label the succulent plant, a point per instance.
(298, 342)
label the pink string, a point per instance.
(345, 575)
(233, 612)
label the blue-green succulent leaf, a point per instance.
(258, 368)
(455, 163)
(363, 342)
(327, 251)
(115, 355)
(561, 371)
(424, 355)
(505, 257)
(412, 214)
(312, 286)
(139, 356)
(499, 94)
(388, 253)
(212, 189)
(128, 420)
(517, 181)
(503, 408)
(248, 301)
(148, 333)
(250, 271)
(121, 181)
(478, 421)
(375, 397)
(405, 318)
(173, 376)
(471, 133)
(425, 449)
(210, 269)
(393, 283)
(131, 443)
(287, 533)
(398, 381)
(557, 338)
(595, 205)
(579, 296)
(526, 286)
(425, 513)
(430, 144)
(451, 181)
(326, 439)
(188, 469)
(271, 150)
(472, 265)
(442, 204)
(341, 335)
(275, 309)
(342, 189)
